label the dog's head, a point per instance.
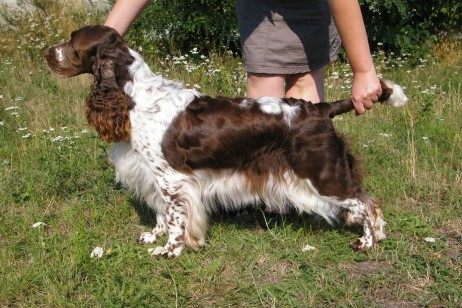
(100, 51)
(85, 50)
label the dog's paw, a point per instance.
(166, 252)
(147, 238)
(362, 243)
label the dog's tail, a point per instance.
(392, 94)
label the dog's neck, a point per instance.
(152, 89)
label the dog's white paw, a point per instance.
(147, 238)
(362, 243)
(166, 252)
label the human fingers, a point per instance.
(365, 91)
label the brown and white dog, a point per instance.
(186, 154)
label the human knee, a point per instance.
(307, 86)
(259, 85)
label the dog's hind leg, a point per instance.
(368, 214)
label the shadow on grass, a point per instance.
(254, 218)
(147, 215)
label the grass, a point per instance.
(54, 169)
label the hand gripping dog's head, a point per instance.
(99, 51)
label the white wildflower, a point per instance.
(385, 135)
(308, 248)
(11, 108)
(59, 138)
(430, 239)
(27, 135)
(2, 123)
(97, 253)
(38, 224)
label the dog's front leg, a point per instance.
(176, 219)
(159, 230)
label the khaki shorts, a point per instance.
(286, 37)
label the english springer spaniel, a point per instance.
(185, 154)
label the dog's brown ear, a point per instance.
(107, 106)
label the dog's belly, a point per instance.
(233, 190)
(229, 189)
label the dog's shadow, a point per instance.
(254, 218)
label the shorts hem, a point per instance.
(258, 69)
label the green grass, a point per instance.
(53, 170)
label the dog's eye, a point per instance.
(75, 53)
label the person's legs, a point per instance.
(259, 85)
(308, 86)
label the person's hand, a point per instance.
(366, 90)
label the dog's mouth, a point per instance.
(56, 70)
(52, 63)
(54, 57)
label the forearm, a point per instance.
(350, 25)
(124, 13)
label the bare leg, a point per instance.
(259, 85)
(308, 86)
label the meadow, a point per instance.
(68, 232)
